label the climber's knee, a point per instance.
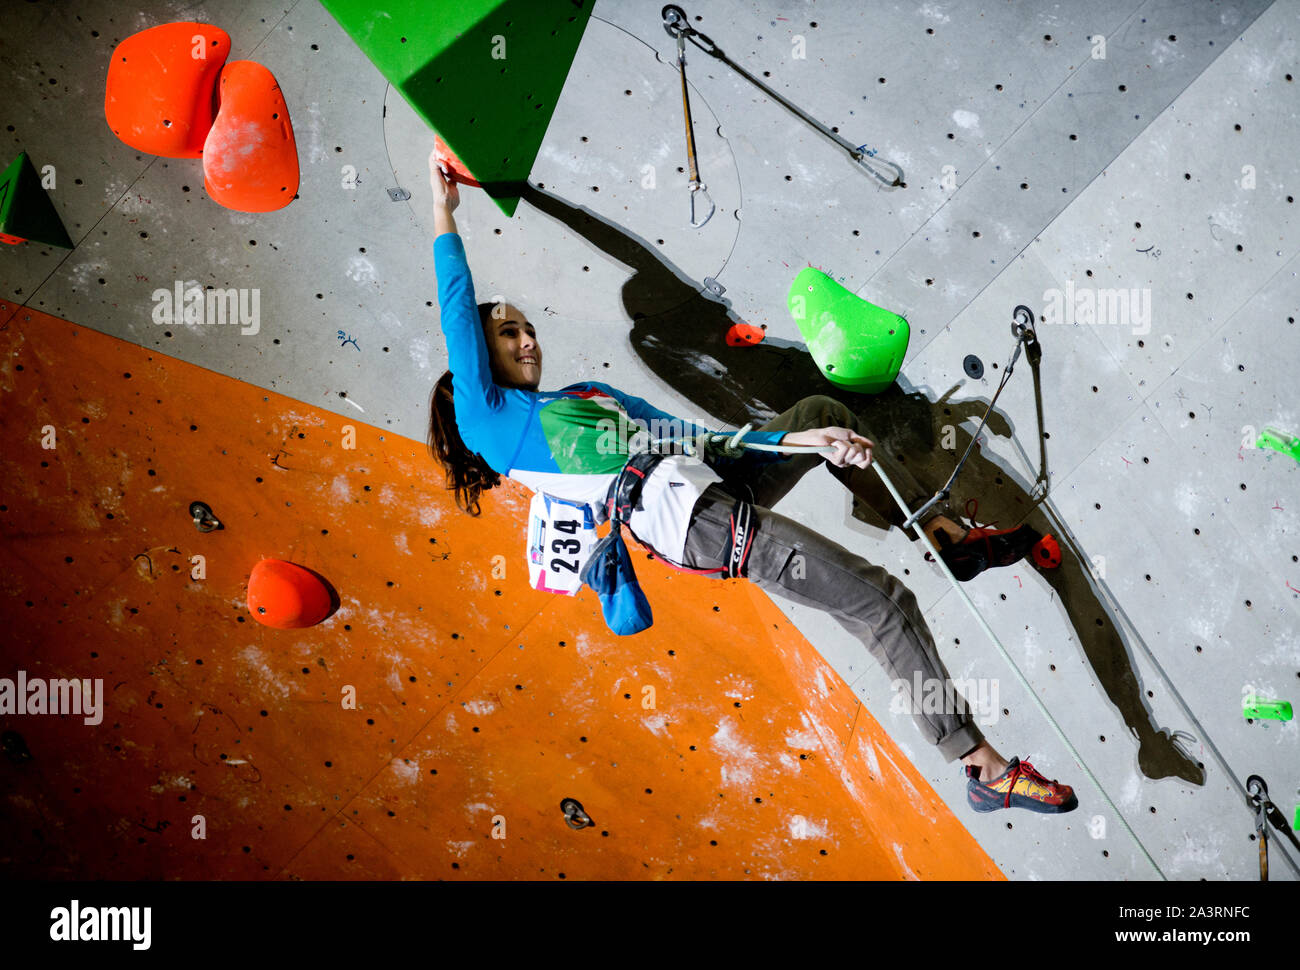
(831, 413)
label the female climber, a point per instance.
(488, 418)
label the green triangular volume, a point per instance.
(25, 210)
(486, 75)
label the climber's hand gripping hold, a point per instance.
(446, 192)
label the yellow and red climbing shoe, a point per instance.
(1020, 786)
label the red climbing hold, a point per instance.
(158, 97)
(287, 596)
(456, 170)
(1046, 552)
(744, 335)
(250, 159)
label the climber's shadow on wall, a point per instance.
(680, 335)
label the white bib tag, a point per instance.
(561, 535)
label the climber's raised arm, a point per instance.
(446, 196)
(477, 397)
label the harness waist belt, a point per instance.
(624, 497)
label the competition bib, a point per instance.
(561, 535)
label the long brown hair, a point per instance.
(466, 470)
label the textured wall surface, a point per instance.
(431, 727)
(1039, 164)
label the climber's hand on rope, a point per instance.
(850, 447)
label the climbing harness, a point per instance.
(624, 497)
(624, 494)
(677, 25)
(1266, 813)
(609, 570)
(1022, 330)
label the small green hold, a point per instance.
(1258, 708)
(1287, 444)
(1296, 824)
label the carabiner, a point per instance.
(698, 187)
(1257, 798)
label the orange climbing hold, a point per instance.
(744, 335)
(159, 95)
(1047, 552)
(455, 167)
(286, 596)
(250, 159)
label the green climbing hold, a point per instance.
(26, 212)
(1288, 444)
(1260, 709)
(858, 345)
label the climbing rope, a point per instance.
(730, 444)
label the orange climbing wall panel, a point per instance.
(479, 700)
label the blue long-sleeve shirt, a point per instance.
(573, 442)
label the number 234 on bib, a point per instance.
(561, 535)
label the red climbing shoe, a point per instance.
(1020, 786)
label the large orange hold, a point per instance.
(286, 596)
(160, 94)
(250, 159)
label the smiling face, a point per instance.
(513, 351)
